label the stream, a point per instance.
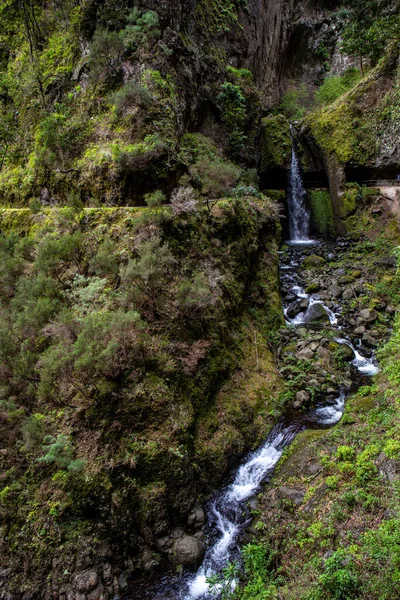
(227, 511)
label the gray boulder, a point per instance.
(316, 314)
(188, 551)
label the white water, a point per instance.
(226, 513)
(364, 365)
(302, 318)
(299, 217)
(330, 415)
(227, 509)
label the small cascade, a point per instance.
(299, 216)
(364, 365)
(227, 511)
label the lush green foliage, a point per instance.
(335, 86)
(370, 25)
(233, 109)
(113, 345)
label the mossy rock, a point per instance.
(346, 279)
(312, 288)
(322, 218)
(356, 274)
(313, 261)
(276, 143)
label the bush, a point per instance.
(145, 275)
(294, 102)
(234, 115)
(340, 579)
(33, 430)
(129, 96)
(214, 177)
(142, 27)
(60, 452)
(335, 86)
(155, 198)
(105, 55)
(345, 453)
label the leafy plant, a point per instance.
(142, 27)
(234, 115)
(60, 452)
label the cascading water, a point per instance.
(227, 514)
(299, 216)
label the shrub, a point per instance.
(392, 449)
(146, 274)
(129, 96)
(33, 430)
(214, 177)
(60, 452)
(294, 102)
(335, 86)
(195, 295)
(340, 579)
(184, 200)
(105, 55)
(345, 453)
(234, 115)
(155, 198)
(142, 27)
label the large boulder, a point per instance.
(316, 314)
(188, 551)
(313, 261)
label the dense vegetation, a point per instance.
(139, 346)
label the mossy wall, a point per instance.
(276, 143)
(322, 217)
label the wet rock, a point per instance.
(313, 261)
(369, 341)
(324, 353)
(97, 594)
(163, 543)
(294, 309)
(346, 280)
(314, 346)
(122, 583)
(5, 573)
(107, 573)
(335, 291)
(253, 504)
(312, 288)
(293, 494)
(305, 354)
(302, 397)
(359, 330)
(348, 294)
(316, 314)
(188, 551)
(86, 582)
(197, 517)
(304, 304)
(368, 315)
(347, 352)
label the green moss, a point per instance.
(276, 195)
(322, 218)
(276, 142)
(352, 196)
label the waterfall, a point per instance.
(299, 217)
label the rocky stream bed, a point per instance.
(325, 352)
